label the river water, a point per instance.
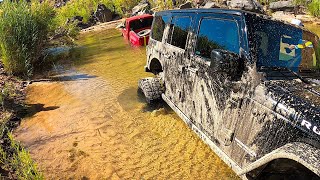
(88, 122)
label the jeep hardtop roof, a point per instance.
(203, 10)
(237, 12)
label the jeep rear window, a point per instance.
(179, 31)
(217, 34)
(280, 45)
(159, 23)
(140, 23)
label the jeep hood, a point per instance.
(298, 102)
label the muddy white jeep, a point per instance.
(248, 85)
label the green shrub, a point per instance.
(122, 6)
(314, 8)
(162, 5)
(82, 8)
(16, 158)
(24, 29)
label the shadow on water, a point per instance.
(63, 78)
(130, 98)
(32, 109)
(44, 140)
(72, 77)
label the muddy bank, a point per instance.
(91, 123)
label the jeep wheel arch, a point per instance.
(304, 155)
(283, 169)
(155, 66)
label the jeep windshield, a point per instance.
(279, 47)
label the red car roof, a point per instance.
(138, 17)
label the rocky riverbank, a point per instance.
(15, 162)
(12, 94)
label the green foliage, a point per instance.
(84, 8)
(73, 8)
(19, 160)
(314, 8)
(122, 6)
(300, 2)
(24, 28)
(162, 5)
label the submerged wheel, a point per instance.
(151, 88)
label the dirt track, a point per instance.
(90, 122)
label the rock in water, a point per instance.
(103, 14)
(282, 6)
(248, 5)
(142, 8)
(186, 5)
(211, 4)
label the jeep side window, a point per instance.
(179, 31)
(217, 34)
(159, 24)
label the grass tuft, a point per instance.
(24, 29)
(18, 160)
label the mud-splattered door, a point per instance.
(214, 100)
(211, 107)
(174, 58)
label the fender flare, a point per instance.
(300, 152)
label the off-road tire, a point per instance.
(152, 89)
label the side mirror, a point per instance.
(223, 61)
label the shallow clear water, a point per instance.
(90, 122)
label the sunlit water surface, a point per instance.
(89, 122)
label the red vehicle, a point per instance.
(137, 29)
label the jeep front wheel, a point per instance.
(151, 88)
